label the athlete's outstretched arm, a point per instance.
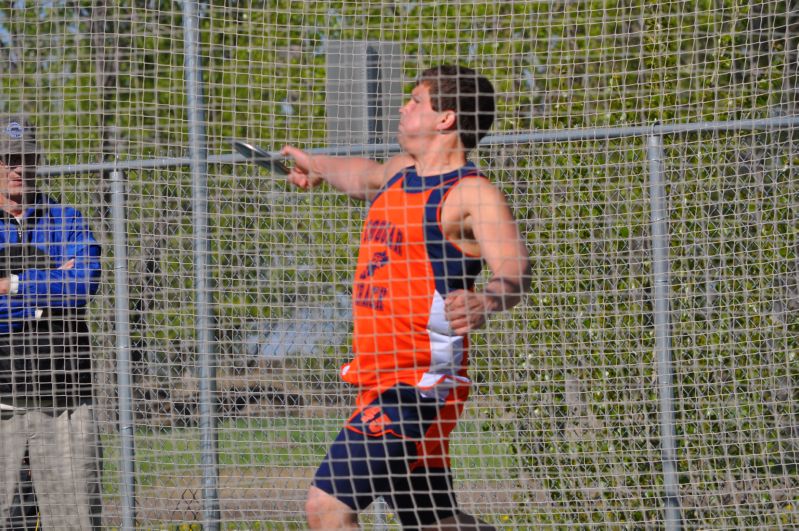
(488, 218)
(359, 178)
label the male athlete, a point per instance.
(433, 219)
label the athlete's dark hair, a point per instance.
(462, 90)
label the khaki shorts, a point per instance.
(64, 451)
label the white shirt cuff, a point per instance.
(13, 284)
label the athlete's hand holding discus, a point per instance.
(301, 174)
(357, 177)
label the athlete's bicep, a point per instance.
(496, 233)
(350, 175)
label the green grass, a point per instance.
(281, 444)
(291, 442)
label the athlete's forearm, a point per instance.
(506, 292)
(350, 175)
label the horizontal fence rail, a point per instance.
(786, 122)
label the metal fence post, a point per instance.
(661, 307)
(198, 154)
(122, 320)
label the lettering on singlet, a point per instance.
(377, 261)
(370, 296)
(384, 232)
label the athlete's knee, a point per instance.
(324, 511)
(315, 505)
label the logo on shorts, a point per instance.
(15, 130)
(375, 420)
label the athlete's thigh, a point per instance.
(378, 444)
(428, 497)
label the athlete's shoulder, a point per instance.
(475, 189)
(396, 164)
(384, 172)
(475, 181)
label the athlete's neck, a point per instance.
(439, 162)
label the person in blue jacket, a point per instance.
(49, 270)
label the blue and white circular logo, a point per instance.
(14, 130)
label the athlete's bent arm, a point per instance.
(488, 218)
(359, 178)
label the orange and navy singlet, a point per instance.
(406, 267)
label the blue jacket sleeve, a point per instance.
(67, 288)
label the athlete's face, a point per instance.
(418, 121)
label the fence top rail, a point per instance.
(521, 137)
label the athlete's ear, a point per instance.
(446, 121)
